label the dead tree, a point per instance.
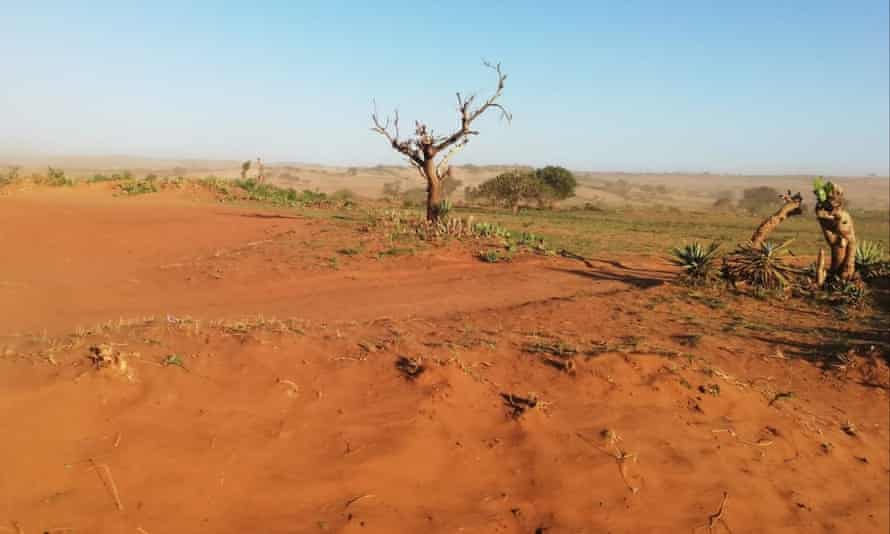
(424, 148)
(261, 171)
(837, 227)
(792, 206)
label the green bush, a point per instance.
(56, 178)
(758, 200)
(138, 187)
(560, 181)
(513, 188)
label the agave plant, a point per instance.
(445, 208)
(696, 260)
(763, 267)
(870, 260)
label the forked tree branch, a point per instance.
(468, 115)
(424, 146)
(442, 167)
(408, 148)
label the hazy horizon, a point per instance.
(639, 87)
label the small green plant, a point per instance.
(870, 260)
(445, 208)
(493, 256)
(697, 261)
(173, 359)
(846, 292)
(485, 229)
(822, 189)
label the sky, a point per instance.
(658, 86)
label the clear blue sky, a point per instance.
(724, 86)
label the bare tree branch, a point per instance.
(407, 148)
(442, 167)
(468, 115)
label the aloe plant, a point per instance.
(763, 267)
(870, 260)
(696, 260)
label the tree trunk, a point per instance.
(434, 191)
(791, 207)
(837, 227)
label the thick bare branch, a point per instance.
(442, 167)
(407, 148)
(791, 207)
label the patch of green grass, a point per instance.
(647, 231)
(279, 196)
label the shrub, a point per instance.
(56, 178)
(450, 184)
(723, 203)
(759, 199)
(510, 189)
(414, 197)
(697, 261)
(138, 187)
(12, 175)
(560, 181)
(762, 267)
(342, 194)
(392, 189)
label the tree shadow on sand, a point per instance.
(639, 278)
(833, 348)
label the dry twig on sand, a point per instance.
(108, 480)
(354, 500)
(717, 517)
(619, 455)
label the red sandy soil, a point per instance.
(304, 423)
